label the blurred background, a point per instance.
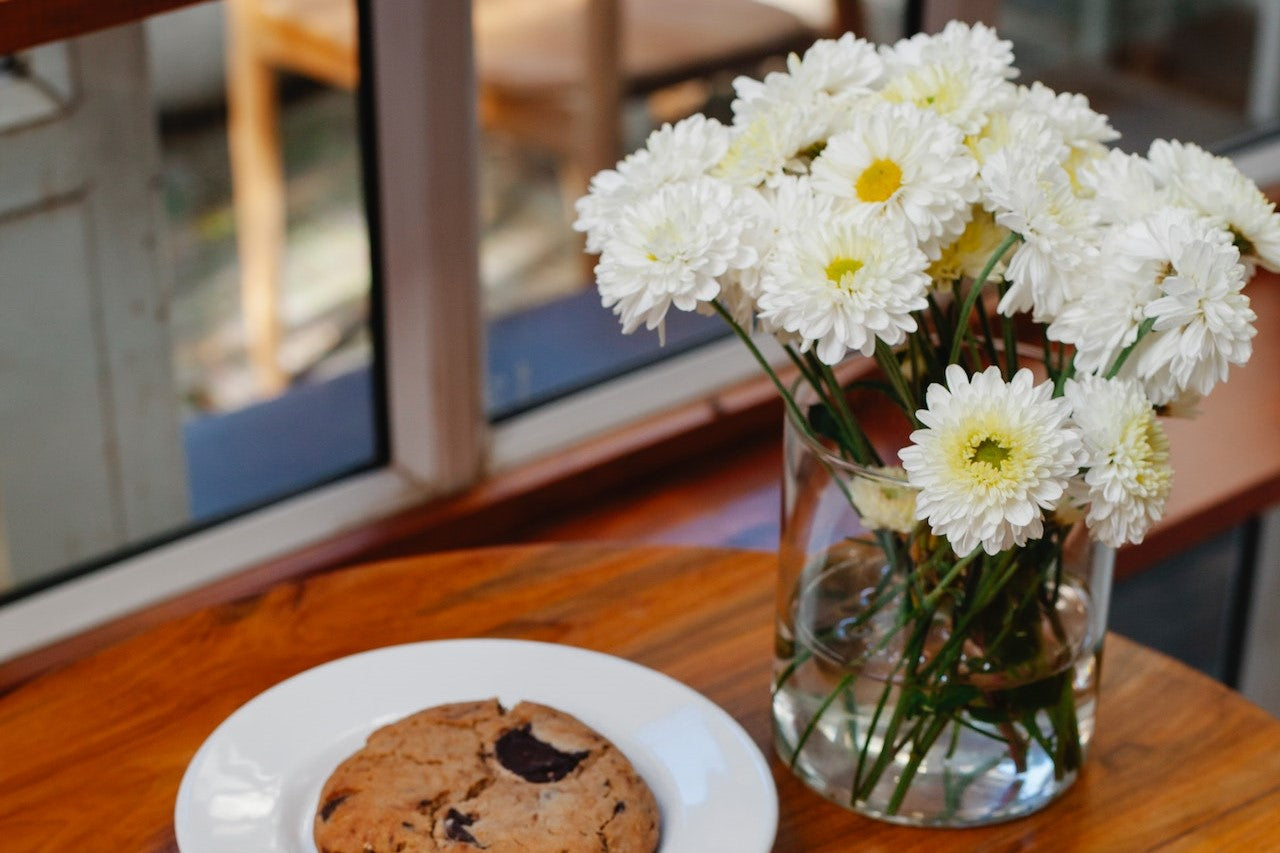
(227, 359)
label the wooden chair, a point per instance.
(552, 74)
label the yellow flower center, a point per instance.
(843, 266)
(991, 452)
(879, 181)
(990, 458)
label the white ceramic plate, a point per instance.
(254, 784)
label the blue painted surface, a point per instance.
(316, 432)
(265, 452)
(539, 354)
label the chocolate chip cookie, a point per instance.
(474, 776)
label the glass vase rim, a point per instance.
(825, 454)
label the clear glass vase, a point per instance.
(915, 687)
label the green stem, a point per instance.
(860, 446)
(1010, 342)
(971, 298)
(765, 366)
(984, 322)
(1143, 330)
(918, 752)
(813, 721)
(889, 364)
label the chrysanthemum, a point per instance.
(1129, 475)
(672, 153)
(1123, 187)
(991, 459)
(778, 139)
(671, 248)
(906, 167)
(843, 284)
(1084, 130)
(1214, 186)
(1029, 132)
(969, 253)
(884, 499)
(1108, 305)
(955, 89)
(846, 66)
(1203, 322)
(975, 43)
(1033, 197)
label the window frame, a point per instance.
(429, 310)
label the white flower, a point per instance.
(976, 43)
(969, 253)
(955, 89)
(1203, 322)
(884, 499)
(776, 141)
(672, 153)
(843, 284)
(1181, 271)
(905, 166)
(991, 459)
(1214, 186)
(1033, 196)
(1129, 475)
(838, 67)
(671, 248)
(1123, 187)
(1106, 311)
(1083, 130)
(1029, 132)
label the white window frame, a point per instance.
(422, 79)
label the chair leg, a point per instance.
(258, 193)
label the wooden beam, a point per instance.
(27, 23)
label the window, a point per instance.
(481, 300)
(429, 438)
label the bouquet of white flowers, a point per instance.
(912, 204)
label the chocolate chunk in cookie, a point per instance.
(532, 759)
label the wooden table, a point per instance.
(91, 755)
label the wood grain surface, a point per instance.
(91, 755)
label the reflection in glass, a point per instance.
(131, 408)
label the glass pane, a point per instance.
(1203, 71)
(178, 346)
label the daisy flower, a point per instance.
(771, 145)
(884, 500)
(906, 167)
(954, 89)
(1107, 310)
(976, 43)
(843, 284)
(968, 255)
(1203, 322)
(1030, 132)
(672, 153)
(1123, 187)
(1033, 197)
(671, 249)
(842, 70)
(991, 459)
(1129, 475)
(1214, 186)
(1084, 131)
